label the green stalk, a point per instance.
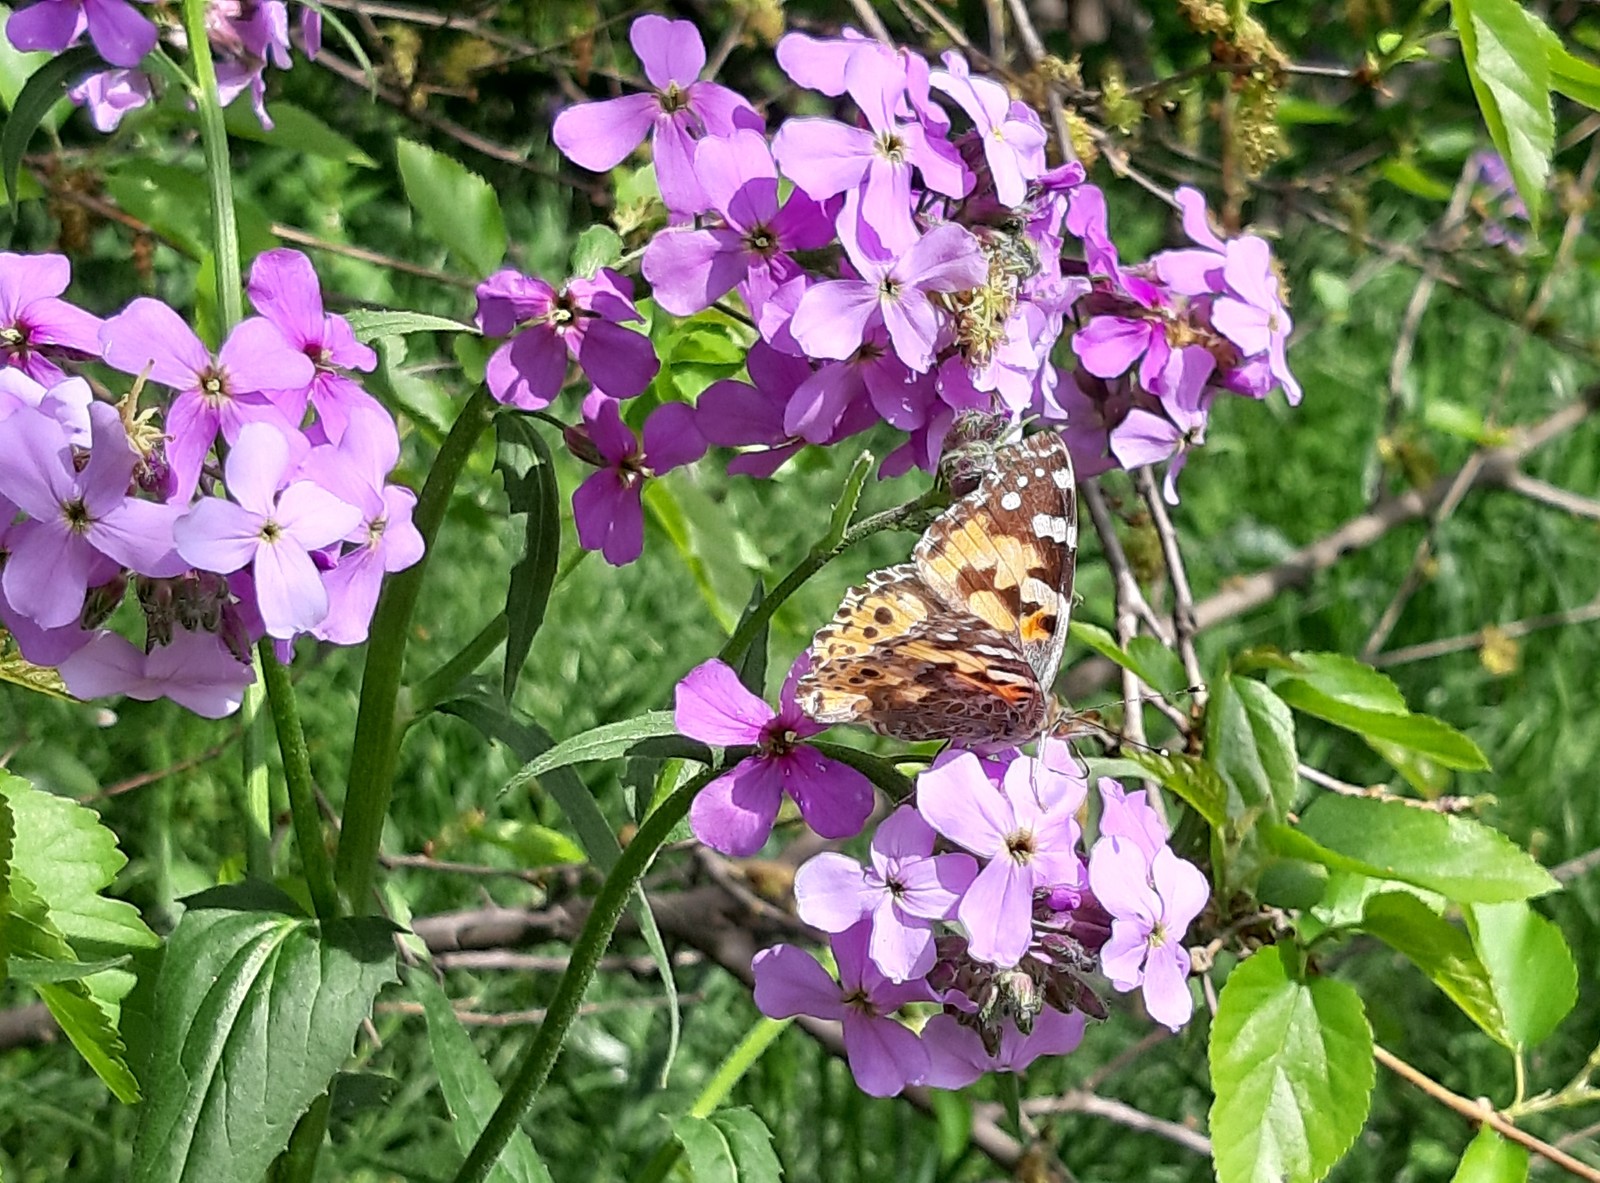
(214, 138)
(436, 687)
(308, 833)
(609, 905)
(257, 785)
(376, 749)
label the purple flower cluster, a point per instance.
(291, 533)
(979, 900)
(922, 261)
(246, 37)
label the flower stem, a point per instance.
(214, 138)
(890, 519)
(376, 750)
(586, 952)
(297, 772)
(257, 785)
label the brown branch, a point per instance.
(149, 778)
(504, 960)
(1584, 614)
(1484, 1113)
(1119, 1113)
(1553, 495)
(1183, 622)
(871, 21)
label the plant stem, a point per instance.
(586, 952)
(900, 516)
(257, 785)
(436, 687)
(297, 773)
(214, 138)
(375, 752)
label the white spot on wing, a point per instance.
(1047, 525)
(1011, 500)
(1062, 478)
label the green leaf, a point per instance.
(296, 129)
(1440, 950)
(1151, 669)
(706, 1149)
(17, 670)
(1292, 1066)
(1461, 859)
(33, 973)
(422, 400)
(1250, 740)
(167, 196)
(1530, 968)
(523, 459)
(1572, 75)
(1189, 777)
(1158, 667)
(1490, 1158)
(1508, 65)
(70, 858)
(369, 324)
(844, 509)
(456, 206)
(530, 843)
(44, 88)
(668, 512)
(1348, 681)
(879, 771)
(255, 1013)
(605, 742)
(1408, 176)
(470, 1092)
(750, 1142)
(598, 246)
(751, 665)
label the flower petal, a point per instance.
(831, 892)
(713, 706)
(735, 812)
(789, 982)
(599, 136)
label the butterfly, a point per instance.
(963, 642)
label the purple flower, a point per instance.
(1129, 816)
(884, 1055)
(690, 269)
(269, 531)
(855, 64)
(583, 319)
(214, 394)
(1152, 902)
(111, 94)
(599, 136)
(733, 414)
(195, 670)
(959, 1058)
(34, 322)
(736, 811)
(1024, 827)
(906, 888)
(284, 289)
(82, 526)
(1013, 138)
(874, 375)
(1146, 437)
(833, 317)
(119, 33)
(607, 507)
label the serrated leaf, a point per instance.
(469, 1088)
(70, 858)
(296, 129)
(422, 400)
(44, 88)
(456, 206)
(750, 1142)
(33, 973)
(370, 324)
(1530, 968)
(255, 1013)
(1250, 741)
(1490, 1158)
(523, 460)
(1292, 1067)
(1157, 666)
(1461, 859)
(18, 671)
(1151, 672)
(706, 1150)
(844, 509)
(1190, 778)
(1574, 77)
(1348, 681)
(1508, 66)
(598, 246)
(1440, 950)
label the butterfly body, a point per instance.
(964, 642)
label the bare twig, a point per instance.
(149, 778)
(1183, 622)
(1119, 1113)
(1553, 496)
(505, 961)
(1585, 614)
(1378, 793)
(871, 21)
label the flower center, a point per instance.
(77, 515)
(270, 532)
(673, 99)
(1020, 846)
(760, 241)
(891, 147)
(212, 388)
(14, 335)
(778, 742)
(858, 1001)
(321, 356)
(375, 529)
(888, 288)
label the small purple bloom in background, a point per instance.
(584, 320)
(119, 32)
(34, 322)
(1013, 138)
(735, 812)
(884, 1055)
(1146, 437)
(268, 531)
(284, 289)
(214, 394)
(195, 670)
(608, 508)
(906, 888)
(111, 94)
(599, 136)
(1025, 829)
(959, 1057)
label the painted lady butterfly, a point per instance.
(963, 642)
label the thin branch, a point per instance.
(539, 876)
(504, 960)
(1553, 496)
(1183, 622)
(1378, 793)
(361, 253)
(1584, 614)
(149, 778)
(531, 1018)
(871, 21)
(1119, 1113)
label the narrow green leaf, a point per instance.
(255, 1013)
(296, 129)
(1573, 76)
(1440, 950)
(1461, 859)
(1416, 733)
(523, 459)
(844, 509)
(750, 1142)
(1189, 777)
(34, 973)
(878, 770)
(455, 205)
(667, 512)
(1508, 66)
(44, 88)
(706, 1150)
(1530, 968)
(1250, 740)
(470, 1092)
(605, 742)
(1489, 1158)
(1292, 1067)
(369, 324)
(598, 246)
(417, 397)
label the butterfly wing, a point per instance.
(897, 659)
(1007, 551)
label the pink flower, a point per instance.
(111, 94)
(270, 532)
(607, 507)
(35, 325)
(736, 811)
(195, 670)
(1013, 139)
(119, 33)
(958, 1057)
(599, 136)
